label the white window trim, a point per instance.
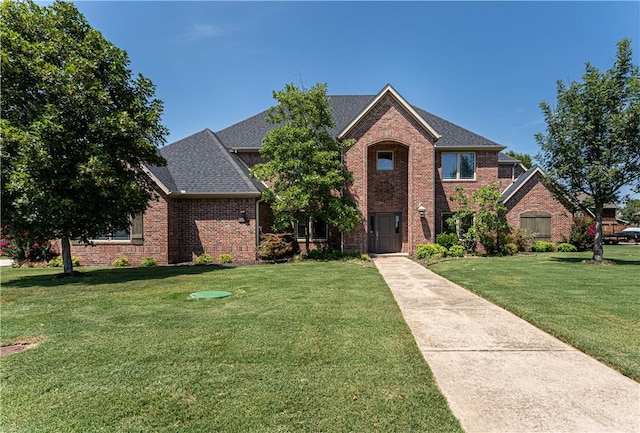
(393, 160)
(458, 179)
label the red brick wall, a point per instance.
(388, 124)
(486, 173)
(508, 173)
(250, 158)
(155, 232)
(211, 226)
(535, 197)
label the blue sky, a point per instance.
(483, 65)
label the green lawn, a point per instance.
(594, 308)
(301, 347)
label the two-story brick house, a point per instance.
(406, 164)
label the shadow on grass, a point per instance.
(111, 276)
(617, 262)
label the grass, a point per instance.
(595, 308)
(304, 347)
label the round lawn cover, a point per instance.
(210, 294)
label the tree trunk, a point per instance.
(307, 235)
(66, 256)
(597, 239)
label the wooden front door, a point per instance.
(385, 233)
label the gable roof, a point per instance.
(388, 90)
(247, 135)
(200, 165)
(512, 189)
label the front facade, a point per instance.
(406, 164)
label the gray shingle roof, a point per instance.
(519, 182)
(200, 164)
(203, 164)
(506, 159)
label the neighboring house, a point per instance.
(404, 160)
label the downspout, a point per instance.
(258, 222)
(513, 172)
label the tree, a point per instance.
(524, 158)
(76, 127)
(592, 141)
(631, 211)
(488, 222)
(303, 163)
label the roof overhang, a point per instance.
(388, 90)
(523, 182)
(480, 148)
(155, 179)
(186, 194)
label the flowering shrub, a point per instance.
(23, 247)
(582, 234)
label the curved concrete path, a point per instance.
(500, 373)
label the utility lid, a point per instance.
(210, 294)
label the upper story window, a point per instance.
(459, 165)
(384, 161)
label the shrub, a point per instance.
(523, 238)
(317, 254)
(567, 248)
(447, 240)
(582, 234)
(275, 246)
(358, 255)
(121, 262)
(430, 251)
(456, 251)
(56, 262)
(543, 247)
(509, 249)
(204, 259)
(225, 258)
(23, 247)
(148, 262)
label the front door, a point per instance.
(385, 233)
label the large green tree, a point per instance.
(592, 141)
(524, 158)
(303, 163)
(76, 126)
(631, 211)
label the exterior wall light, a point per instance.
(244, 218)
(421, 209)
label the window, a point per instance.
(119, 235)
(539, 223)
(459, 165)
(385, 161)
(133, 234)
(318, 230)
(449, 225)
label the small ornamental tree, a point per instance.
(76, 127)
(303, 163)
(489, 225)
(592, 142)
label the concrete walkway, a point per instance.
(500, 373)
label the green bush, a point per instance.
(456, 251)
(567, 248)
(447, 240)
(317, 254)
(203, 259)
(225, 258)
(148, 262)
(276, 246)
(509, 249)
(121, 262)
(56, 262)
(430, 251)
(543, 247)
(358, 255)
(523, 238)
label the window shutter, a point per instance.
(137, 230)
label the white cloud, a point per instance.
(204, 31)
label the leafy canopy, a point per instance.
(76, 126)
(303, 162)
(524, 158)
(592, 142)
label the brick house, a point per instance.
(406, 164)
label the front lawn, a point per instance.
(298, 347)
(595, 308)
